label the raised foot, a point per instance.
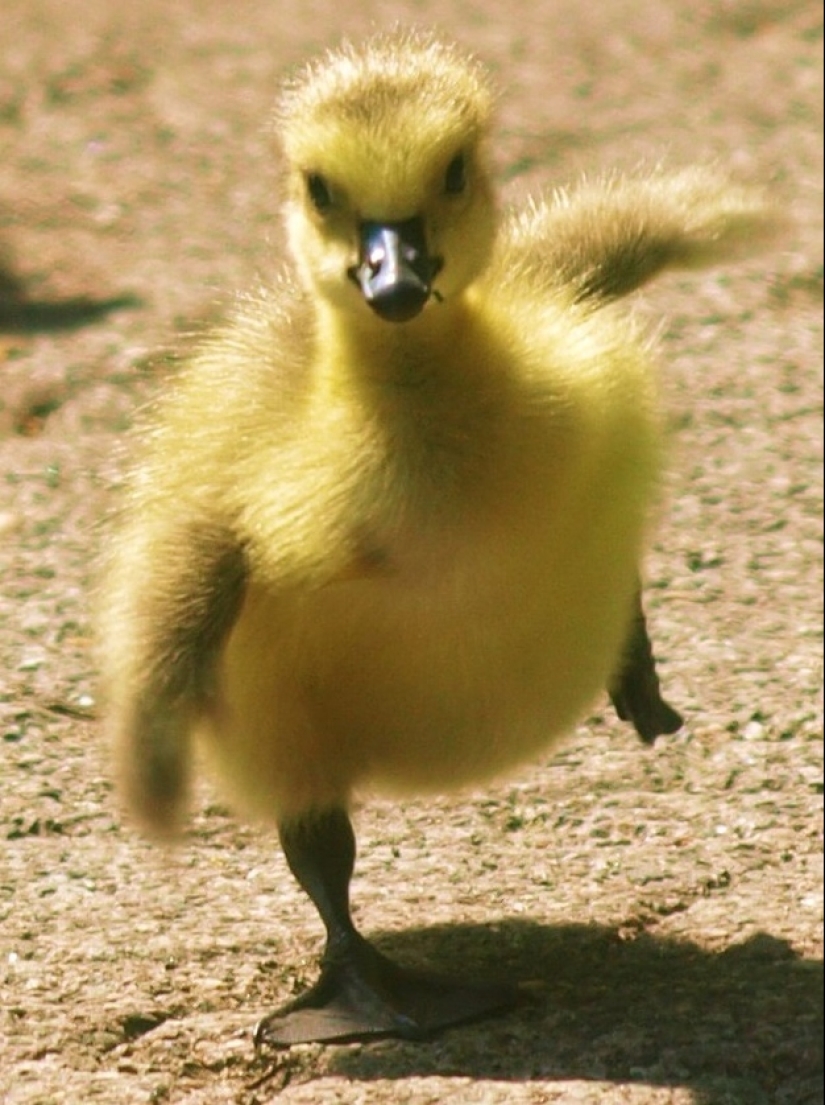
(367, 995)
(647, 712)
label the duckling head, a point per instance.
(389, 204)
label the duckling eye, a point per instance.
(319, 192)
(455, 179)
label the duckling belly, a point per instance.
(451, 664)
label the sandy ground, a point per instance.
(665, 905)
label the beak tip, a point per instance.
(399, 303)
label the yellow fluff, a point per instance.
(398, 554)
(384, 527)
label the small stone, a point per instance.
(10, 521)
(753, 731)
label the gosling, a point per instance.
(385, 526)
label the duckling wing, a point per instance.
(608, 237)
(177, 565)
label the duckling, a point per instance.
(385, 525)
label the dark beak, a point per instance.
(394, 270)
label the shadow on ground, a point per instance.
(48, 316)
(20, 314)
(741, 1026)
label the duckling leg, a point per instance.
(360, 993)
(634, 691)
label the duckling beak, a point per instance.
(394, 271)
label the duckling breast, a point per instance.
(485, 549)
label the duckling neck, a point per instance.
(364, 349)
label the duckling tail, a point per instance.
(608, 237)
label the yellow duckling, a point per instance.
(385, 528)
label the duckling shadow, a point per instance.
(741, 1025)
(21, 315)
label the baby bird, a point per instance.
(385, 525)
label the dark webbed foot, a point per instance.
(363, 994)
(647, 712)
(635, 689)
